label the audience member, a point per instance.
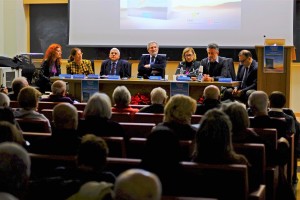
(162, 157)
(188, 66)
(152, 64)
(122, 98)
(97, 114)
(213, 140)
(137, 184)
(17, 84)
(59, 89)
(158, 99)
(28, 99)
(247, 75)
(177, 116)
(211, 96)
(4, 100)
(14, 171)
(50, 67)
(6, 114)
(10, 133)
(216, 66)
(77, 65)
(116, 66)
(64, 139)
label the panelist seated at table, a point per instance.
(115, 66)
(152, 64)
(217, 66)
(188, 66)
(77, 65)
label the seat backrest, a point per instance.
(48, 113)
(33, 125)
(121, 117)
(196, 119)
(231, 68)
(268, 134)
(119, 165)
(116, 146)
(14, 104)
(148, 117)
(80, 106)
(141, 130)
(221, 181)
(46, 105)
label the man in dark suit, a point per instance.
(217, 66)
(152, 64)
(115, 66)
(211, 96)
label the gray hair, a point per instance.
(213, 46)
(158, 95)
(99, 105)
(259, 101)
(121, 96)
(4, 100)
(152, 42)
(58, 87)
(65, 116)
(115, 49)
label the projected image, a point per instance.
(179, 14)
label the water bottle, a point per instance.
(200, 75)
(181, 71)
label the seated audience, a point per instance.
(64, 139)
(216, 66)
(213, 140)
(6, 114)
(188, 66)
(17, 84)
(122, 98)
(137, 184)
(97, 114)
(10, 133)
(116, 66)
(158, 99)
(152, 64)
(28, 99)
(58, 89)
(211, 96)
(177, 116)
(14, 171)
(162, 157)
(4, 100)
(77, 65)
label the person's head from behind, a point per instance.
(121, 96)
(238, 116)
(213, 138)
(4, 100)
(211, 92)
(59, 88)
(18, 83)
(258, 102)
(6, 114)
(188, 54)
(114, 54)
(65, 116)
(152, 48)
(28, 98)
(158, 96)
(277, 99)
(14, 169)
(92, 153)
(212, 52)
(180, 109)
(137, 184)
(75, 55)
(162, 149)
(98, 105)
(10, 133)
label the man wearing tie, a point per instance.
(152, 64)
(115, 66)
(247, 74)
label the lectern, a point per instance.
(270, 82)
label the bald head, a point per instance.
(65, 116)
(18, 83)
(258, 101)
(211, 92)
(59, 88)
(137, 184)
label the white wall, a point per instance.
(13, 34)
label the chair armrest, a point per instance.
(259, 194)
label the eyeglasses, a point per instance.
(188, 55)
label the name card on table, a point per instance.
(93, 76)
(113, 77)
(78, 76)
(225, 80)
(155, 78)
(183, 78)
(65, 76)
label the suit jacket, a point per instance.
(193, 70)
(123, 68)
(159, 65)
(251, 79)
(221, 69)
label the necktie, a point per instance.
(152, 59)
(113, 69)
(244, 78)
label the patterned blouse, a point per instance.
(85, 67)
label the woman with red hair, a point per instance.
(50, 67)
